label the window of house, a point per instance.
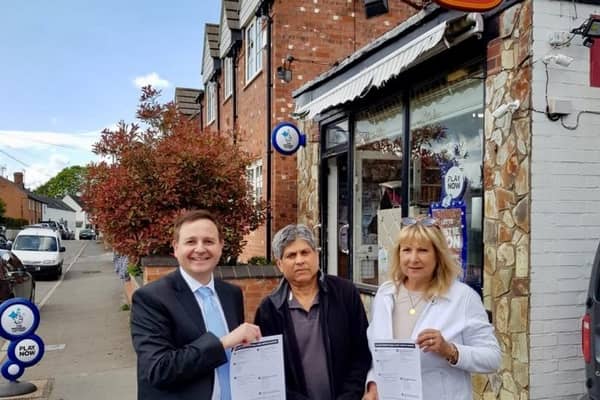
(227, 77)
(255, 180)
(211, 102)
(253, 49)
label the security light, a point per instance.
(590, 30)
(559, 59)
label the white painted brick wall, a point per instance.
(565, 206)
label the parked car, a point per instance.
(40, 251)
(15, 281)
(87, 234)
(590, 332)
(5, 244)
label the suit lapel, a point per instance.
(227, 302)
(188, 301)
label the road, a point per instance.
(86, 332)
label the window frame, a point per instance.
(211, 100)
(227, 78)
(253, 47)
(254, 174)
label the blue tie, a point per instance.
(215, 324)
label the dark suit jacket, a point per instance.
(176, 356)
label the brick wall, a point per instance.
(565, 217)
(316, 34)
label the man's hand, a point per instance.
(371, 393)
(243, 334)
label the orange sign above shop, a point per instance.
(469, 5)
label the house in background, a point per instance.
(57, 210)
(260, 52)
(81, 216)
(20, 202)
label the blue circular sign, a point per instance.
(26, 351)
(287, 139)
(18, 318)
(11, 370)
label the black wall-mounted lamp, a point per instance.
(284, 72)
(590, 30)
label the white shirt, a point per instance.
(195, 285)
(460, 317)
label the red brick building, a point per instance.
(255, 44)
(20, 202)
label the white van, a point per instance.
(40, 251)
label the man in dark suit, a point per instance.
(178, 322)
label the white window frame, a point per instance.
(255, 180)
(227, 77)
(253, 49)
(211, 102)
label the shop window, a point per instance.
(447, 130)
(378, 154)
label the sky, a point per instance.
(70, 68)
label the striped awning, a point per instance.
(425, 46)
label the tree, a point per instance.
(158, 172)
(67, 181)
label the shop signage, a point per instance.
(454, 183)
(287, 139)
(469, 5)
(19, 318)
(453, 222)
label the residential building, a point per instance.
(82, 220)
(489, 122)
(57, 210)
(244, 97)
(20, 202)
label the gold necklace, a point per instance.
(412, 310)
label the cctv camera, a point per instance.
(559, 59)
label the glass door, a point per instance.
(338, 225)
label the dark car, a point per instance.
(4, 244)
(87, 234)
(15, 281)
(590, 332)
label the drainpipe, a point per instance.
(265, 12)
(234, 54)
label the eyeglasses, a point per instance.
(425, 221)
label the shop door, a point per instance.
(377, 209)
(337, 225)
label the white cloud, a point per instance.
(42, 155)
(152, 79)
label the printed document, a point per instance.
(257, 372)
(397, 366)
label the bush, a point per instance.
(14, 223)
(134, 270)
(258, 261)
(158, 173)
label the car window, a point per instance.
(35, 243)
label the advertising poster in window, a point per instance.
(452, 222)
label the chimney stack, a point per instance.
(18, 179)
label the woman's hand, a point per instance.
(432, 340)
(371, 393)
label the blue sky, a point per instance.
(70, 68)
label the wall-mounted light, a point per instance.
(506, 107)
(558, 59)
(590, 30)
(284, 71)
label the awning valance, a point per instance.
(424, 46)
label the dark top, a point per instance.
(314, 361)
(343, 324)
(176, 356)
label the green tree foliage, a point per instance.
(158, 172)
(68, 181)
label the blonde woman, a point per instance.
(426, 303)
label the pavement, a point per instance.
(88, 345)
